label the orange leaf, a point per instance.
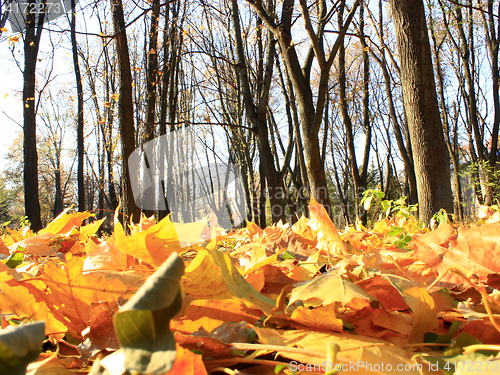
(69, 293)
(302, 229)
(321, 318)
(16, 299)
(365, 353)
(328, 289)
(211, 313)
(203, 279)
(44, 244)
(384, 292)
(274, 279)
(104, 255)
(328, 236)
(474, 249)
(187, 362)
(65, 223)
(422, 305)
(253, 230)
(209, 346)
(212, 275)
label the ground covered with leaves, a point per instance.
(397, 298)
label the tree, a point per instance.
(7, 199)
(359, 175)
(257, 112)
(437, 51)
(80, 117)
(310, 111)
(151, 79)
(125, 109)
(430, 155)
(31, 47)
(54, 179)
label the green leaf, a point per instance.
(403, 241)
(386, 207)
(15, 258)
(143, 323)
(463, 339)
(287, 255)
(432, 337)
(455, 325)
(279, 368)
(395, 231)
(19, 346)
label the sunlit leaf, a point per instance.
(328, 289)
(422, 305)
(328, 236)
(153, 245)
(65, 223)
(69, 293)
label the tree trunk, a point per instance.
(125, 110)
(58, 196)
(310, 111)
(444, 110)
(349, 132)
(493, 43)
(430, 156)
(31, 45)
(151, 84)
(80, 119)
(256, 113)
(405, 151)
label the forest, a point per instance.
(250, 187)
(306, 99)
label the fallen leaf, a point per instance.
(473, 249)
(328, 236)
(328, 289)
(103, 256)
(187, 362)
(19, 346)
(320, 318)
(422, 305)
(16, 299)
(69, 293)
(359, 354)
(65, 223)
(203, 278)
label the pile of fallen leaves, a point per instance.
(397, 298)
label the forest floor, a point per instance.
(308, 299)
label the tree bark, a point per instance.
(444, 110)
(80, 118)
(310, 111)
(430, 156)
(31, 46)
(151, 82)
(257, 115)
(125, 110)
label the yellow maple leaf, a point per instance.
(16, 299)
(65, 223)
(153, 245)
